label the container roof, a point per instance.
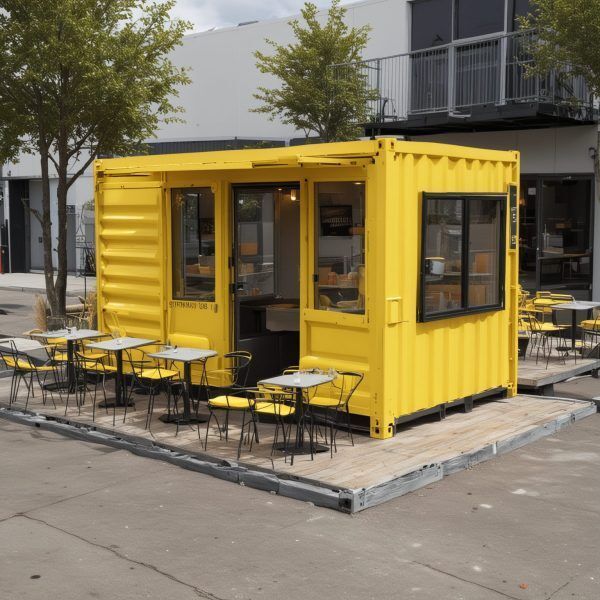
(337, 154)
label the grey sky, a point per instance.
(205, 14)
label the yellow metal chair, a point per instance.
(590, 328)
(24, 369)
(541, 334)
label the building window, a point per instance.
(474, 17)
(521, 8)
(340, 251)
(462, 254)
(431, 23)
(193, 241)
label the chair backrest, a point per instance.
(347, 383)
(341, 388)
(7, 356)
(238, 363)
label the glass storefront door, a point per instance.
(556, 234)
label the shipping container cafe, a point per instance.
(396, 259)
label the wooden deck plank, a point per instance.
(532, 375)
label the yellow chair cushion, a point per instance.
(57, 342)
(23, 365)
(543, 327)
(155, 374)
(274, 408)
(230, 402)
(97, 367)
(323, 401)
(94, 355)
(60, 357)
(590, 324)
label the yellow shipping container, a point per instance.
(396, 259)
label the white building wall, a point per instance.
(224, 75)
(543, 151)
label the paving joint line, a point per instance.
(200, 592)
(465, 580)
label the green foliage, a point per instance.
(311, 96)
(569, 31)
(90, 72)
(79, 79)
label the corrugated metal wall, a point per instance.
(449, 359)
(131, 263)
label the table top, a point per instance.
(21, 344)
(121, 343)
(577, 305)
(298, 380)
(183, 354)
(73, 336)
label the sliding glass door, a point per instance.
(556, 234)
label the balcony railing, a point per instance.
(458, 77)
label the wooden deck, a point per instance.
(539, 377)
(357, 477)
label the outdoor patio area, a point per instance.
(356, 477)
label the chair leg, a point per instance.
(348, 422)
(239, 452)
(94, 403)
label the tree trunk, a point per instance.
(61, 193)
(47, 233)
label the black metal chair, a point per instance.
(330, 406)
(222, 385)
(91, 372)
(153, 378)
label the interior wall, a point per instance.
(288, 249)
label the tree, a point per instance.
(81, 79)
(313, 96)
(567, 41)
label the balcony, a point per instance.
(482, 85)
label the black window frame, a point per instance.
(422, 316)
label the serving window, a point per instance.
(340, 247)
(462, 254)
(193, 241)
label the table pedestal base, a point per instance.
(301, 450)
(191, 420)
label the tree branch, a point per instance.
(81, 171)
(34, 211)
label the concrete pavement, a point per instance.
(35, 282)
(16, 311)
(84, 521)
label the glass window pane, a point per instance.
(474, 17)
(565, 241)
(193, 241)
(443, 255)
(431, 23)
(528, 238)
(255, 242)
(340, 251)
(485, 229)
